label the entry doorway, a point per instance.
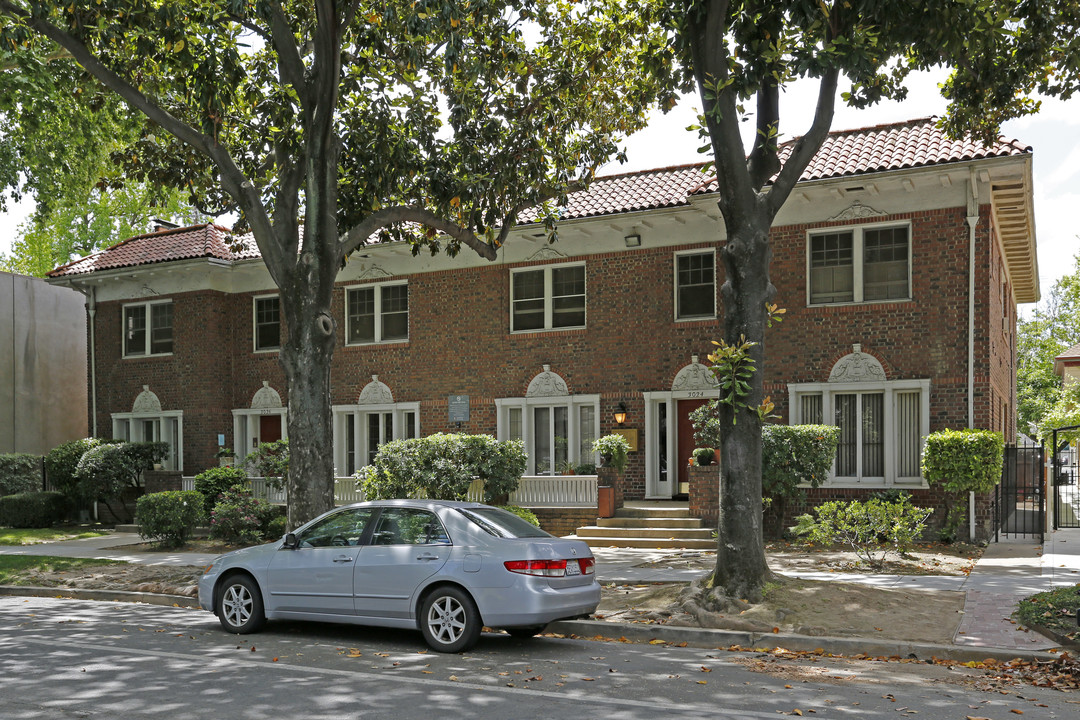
(684, 442)
(269, 429)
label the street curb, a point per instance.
(1057, 637)
(183, 601)
(846, 646)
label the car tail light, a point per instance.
(551, 568)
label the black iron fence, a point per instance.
(1020, 502)
(1065, 478)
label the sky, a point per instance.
(1054, 135)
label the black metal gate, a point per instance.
(1020, 500)
(1066, 478)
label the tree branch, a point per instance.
(763, 161)
(804, 149)
(379, 219)
(290, 63)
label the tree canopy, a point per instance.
(328, 124)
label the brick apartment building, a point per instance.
(900, 257)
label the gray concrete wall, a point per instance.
(43, 395)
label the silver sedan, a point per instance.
(447, 568)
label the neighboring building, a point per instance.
(900, 258)
(42, 365)
(1067, 365)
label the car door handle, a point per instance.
(427, 556)
(342, 559)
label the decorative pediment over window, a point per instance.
(547, 384)
(374, 272)
(266, 398)
(858, 211)
(857, 367)
(147, 402)
(375, 393)
(694, 376)
(546, 253)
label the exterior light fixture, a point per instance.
(632, 240)
(620, 414)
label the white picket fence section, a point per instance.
(534, 491)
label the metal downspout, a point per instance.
(972, 223)
(91, 311)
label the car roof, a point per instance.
(418, 502)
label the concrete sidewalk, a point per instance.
(1006, 573)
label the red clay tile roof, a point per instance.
(896, 146)
(186, 243)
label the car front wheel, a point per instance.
(449, 620)
(240, 607)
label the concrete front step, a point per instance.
(645, 522)
(645, 533)
(650, 543)
(642, 511)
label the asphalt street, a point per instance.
(64, 659)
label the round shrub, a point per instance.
(62, 462)
(33, 509)
(168, 518)
(213, 482)
(239, 518)
(276, 528)
(524, 513)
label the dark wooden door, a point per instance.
(269, 428)
(685, 439)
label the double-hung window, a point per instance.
(558, 432)
(377, 314)
(860, 264)
(267, 323)
(695, 285)
(549, 298)
(148, 329)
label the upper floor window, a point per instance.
(377, 313)
(148, 329)
(695, 286)
(862, 264)
(267, 323)
(548, 298)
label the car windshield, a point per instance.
(501, 523)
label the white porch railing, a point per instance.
(533, 491)
(555, 491)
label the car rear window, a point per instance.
(501, 523)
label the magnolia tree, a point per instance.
(740, 54)
(329, 124)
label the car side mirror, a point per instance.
(290, 542)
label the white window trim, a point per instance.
(526, 405)
(132, 418)
(339, 412)
(547, 270)
(890, 389)
(857, 256)
(377, 292)
(675, 286)
(255, 324)
(149, 320)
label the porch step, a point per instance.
(645, 524)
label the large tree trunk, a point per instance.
(305, 357)
(741, 569)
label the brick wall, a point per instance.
(705, 493)
(460, 343)
(563, 521)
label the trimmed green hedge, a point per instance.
(443, 466)
(63, 460)
(963, 460)
(33, 509)
(19, 473)
(168, 517)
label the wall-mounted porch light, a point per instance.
(620, 414)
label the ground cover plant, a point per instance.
(33, 536)
(12, 566)
(1055, 610)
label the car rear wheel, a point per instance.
(240, 607)
(449, 620)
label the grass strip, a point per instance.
(13, 568)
